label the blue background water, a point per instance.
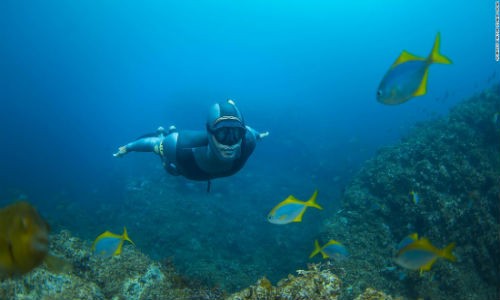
(80, 78)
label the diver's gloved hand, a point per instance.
(121, 151)
(262, 135)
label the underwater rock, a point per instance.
(41, 284)
(315, 283)
(131, 275)
(453, 163)
(371, 294)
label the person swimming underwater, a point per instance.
(220, 151)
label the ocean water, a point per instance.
(78, 79)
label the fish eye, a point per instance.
(379, 93)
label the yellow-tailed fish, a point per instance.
(109, 244)
(332, 249)
(407, 77)
(24, 241)
(291, 210)
(420, 254)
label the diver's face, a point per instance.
(226, 152)
(227, 142)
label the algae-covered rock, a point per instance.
(131, 275)
(315, 283)
(372, 294)
(42, 284)
(453, 163)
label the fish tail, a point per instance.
(446, 252)
(312, 201)
(317, 249)
(435, 56)
(125, 236)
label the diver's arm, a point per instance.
(256, 134)
(145, 144)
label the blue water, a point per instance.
(80, 78)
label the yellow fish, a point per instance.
(24, 241)
(407, 77)
(291, 210)
(420, 254)
(332, 249)
(109, 244)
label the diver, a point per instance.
(220, 151)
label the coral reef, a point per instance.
(371, 294)
(41, 284)
(317, 282)
(131, 275)
(454, 165)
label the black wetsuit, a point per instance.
(188, 153)
(187, 166)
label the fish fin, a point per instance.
(291, 200)
(446, 252)
(57, 265)
(435, 56)
(118, 250)
(298, 218)
(424, 242)
(428, 266)
(422, 89)
(125, 236)
(312, 201)
(317, 249)
(332, 242)
(406, 56)
(414, 236)
(325, 256)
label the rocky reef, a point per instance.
(131, 275)
(318, 282)
(453, 164)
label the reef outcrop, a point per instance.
(453, 163)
